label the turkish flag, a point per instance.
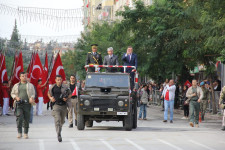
(18, 68)
(45, 69)
(75, 92)
(30, 67)
(37, 71)
(1, 96)
(57, 70)
(187, 83)
(3, 72)
(45, 78)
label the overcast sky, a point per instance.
(35, 28)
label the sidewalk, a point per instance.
(181, 112)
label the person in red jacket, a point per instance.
(5, 91)
(39, 106)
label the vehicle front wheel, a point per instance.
(128, 122)
(80, 122)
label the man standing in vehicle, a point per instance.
(130, 59)
(93, 58)
(111, 59)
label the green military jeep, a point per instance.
(107, 97)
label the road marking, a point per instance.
(171, 145)
(74, 144)
(202, 145)
(134, 144)
(107, 144)
(41, 144)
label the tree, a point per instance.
(100, 34)
(156, 34)
(15, 39)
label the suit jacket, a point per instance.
(128, 62)
(111, 61)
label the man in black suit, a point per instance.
(111, 59)
(130, 59)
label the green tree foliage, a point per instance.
(101, 35)
(170, 36)
(15, 39)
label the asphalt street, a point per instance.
(150, 134)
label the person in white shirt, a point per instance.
(169, 95)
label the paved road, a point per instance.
(150, 134)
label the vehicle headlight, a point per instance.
(120, 103)
(86, 102)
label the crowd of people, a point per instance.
(25, 95)
(193, 99)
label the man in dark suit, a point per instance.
(93, 58)
(111, 59)
(130, 59)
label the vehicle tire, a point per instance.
(128, 121)
(89, 123)
(80, 122)
(135, 116)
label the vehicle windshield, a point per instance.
(106, 80)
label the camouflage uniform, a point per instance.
(222, 106)
(204, 102)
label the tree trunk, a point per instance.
(214, 109)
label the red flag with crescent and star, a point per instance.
(37, 71)
(18, 68)
(30, 67)
(57, 70)
(3, 75)
(45, 78)
(3, 71)
(188, 83)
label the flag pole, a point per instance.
(51, 66)
(13, 66)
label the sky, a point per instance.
(36, 28)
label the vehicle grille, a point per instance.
(104, 104)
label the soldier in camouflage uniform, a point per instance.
(222, 106)
(205, 99)
(93, 58)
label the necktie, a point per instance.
(129, 58)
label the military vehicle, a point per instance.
(107, 97)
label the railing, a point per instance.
(217, 97)
(156, 97)
(156, 100)
(109, 66)
(114, 66)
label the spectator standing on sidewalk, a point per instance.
(194, 95)
(169, 95)
(222, 106)
(164, 85)
(143, 102)
(205, 99)
(185, 104)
